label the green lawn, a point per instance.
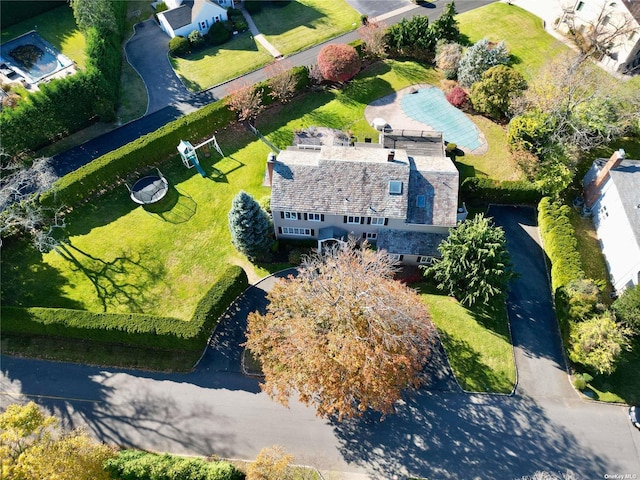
(216, 65)
(530, 46)
(477, 343)
(56, 26)
(304, 23)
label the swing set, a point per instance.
(189, 153)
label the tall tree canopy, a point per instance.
(250, 227)
(492, 94)
(475, 266)
(342, 334)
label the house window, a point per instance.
(314, 217)
(303, 232)
(351, 219)
(425, 260)
(420, 201)
(377, 221)
(216, 19)
(203, 25)
(371, 236)
(579, 6)
(395, 187)
(290, 215)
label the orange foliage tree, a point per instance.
(338, 62)
(343, 334)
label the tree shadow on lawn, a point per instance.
(28, 281)
(121, 281)
(292, 15)
(463, 436)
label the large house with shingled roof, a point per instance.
(612, 197)
(401, 194)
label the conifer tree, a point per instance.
(250, 227)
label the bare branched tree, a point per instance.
(602, 33)
(282, 81)
(373, 36)
(20, 210)
(245, 100)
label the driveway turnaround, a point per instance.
(438, 432)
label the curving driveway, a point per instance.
(436, 433)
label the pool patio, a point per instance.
(390, 109)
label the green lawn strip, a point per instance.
(69, 350)
(58, 27)
(478, 344)
(215, 65)
(305, 23)
(530, 46)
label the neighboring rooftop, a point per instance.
(626, 178)
(179, 17)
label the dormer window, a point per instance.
(395, 187)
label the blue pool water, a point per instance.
(32, 57)
(429, 105)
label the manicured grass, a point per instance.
(216, 65)
(304, 23)
(530, 46)
(477, 343)
(57, 27)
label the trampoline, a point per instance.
(149, 189)
(429, 106)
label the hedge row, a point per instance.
(560, 244)
(149, 149)
(486, 190)
(139, 465)
(130, 329)
(68, 104)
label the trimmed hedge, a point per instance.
(130, 329)
(147, 150)
(560, 244)
(139, 465)
(486, 190)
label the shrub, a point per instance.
(477, 190)
(131, 329)
(627, 308)
(579, 382)
(196, 40)
(478, 58)
(493, 93)
(179, 46)
(531, 131)
(139, 465)
(457, 97)
(218, 34)
(448, 56)
(582, 299)
(161, 7)
(338, 62)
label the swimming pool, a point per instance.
(429, 106)
(32, 57)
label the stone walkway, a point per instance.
(260, 38)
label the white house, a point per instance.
(612, 192)
(609, 16)
(404, 200)
(183, 17)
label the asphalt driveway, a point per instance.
(147, 52)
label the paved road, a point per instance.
(437, 433)
(151, 56)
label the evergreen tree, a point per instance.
(250, 227)
(446, 26)
(475, 266)
(478, 58)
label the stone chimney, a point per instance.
(592, 191)
(391, 155)
(271, 161)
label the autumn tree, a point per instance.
(479, 58)
(492, 94)
(21, 212)
(448, 56)
(338, 62)
(250, 227)
(282, 81)
(598, 343)
(373, 35)
(272, 463)
(245, 100)
(32, 449)
(475, 266)
(342, 334)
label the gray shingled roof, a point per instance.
(626, 178)
(179, 17)
(409, 243)
(355, 181)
